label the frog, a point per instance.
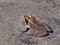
(37, 28)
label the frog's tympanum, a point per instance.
(35, 28)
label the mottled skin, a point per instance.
(31, 21)
(38, 28)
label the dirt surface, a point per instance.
(11, 22)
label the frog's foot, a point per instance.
(37, 33)
(50, 30)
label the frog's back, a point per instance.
(33, 22)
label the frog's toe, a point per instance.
(50, 31)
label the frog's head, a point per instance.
(28, 17)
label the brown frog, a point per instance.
(38, 28)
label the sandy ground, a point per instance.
(11, 22)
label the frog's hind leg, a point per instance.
(49, 29)
(45, 35)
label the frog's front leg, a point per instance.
(26, 28)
